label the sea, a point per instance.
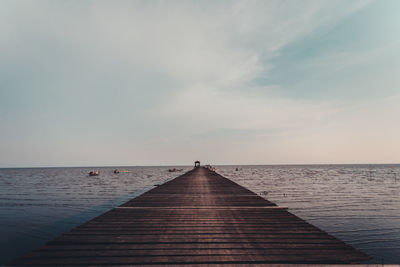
(359, 204)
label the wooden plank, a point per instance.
(183, 259)
(187, 252)
(199, 217)
(184, 246)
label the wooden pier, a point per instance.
(199, 217)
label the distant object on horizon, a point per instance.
(175, 170)
(211, 168)
(197, 164)
(116, 171)
(94, 173)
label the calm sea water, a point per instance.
(359, 204)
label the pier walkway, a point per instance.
(199, 217)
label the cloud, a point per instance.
(144, 76)
(189, 42)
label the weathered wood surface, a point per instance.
(197, 218)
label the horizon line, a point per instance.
(185, 165)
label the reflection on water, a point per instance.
(359, 204)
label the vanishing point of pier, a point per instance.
(199, 217)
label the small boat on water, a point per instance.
(94, 173)
(211, 168)
(121, 171)
(175, 170)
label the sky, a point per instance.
(125, 83)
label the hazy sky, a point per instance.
(226, 82)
